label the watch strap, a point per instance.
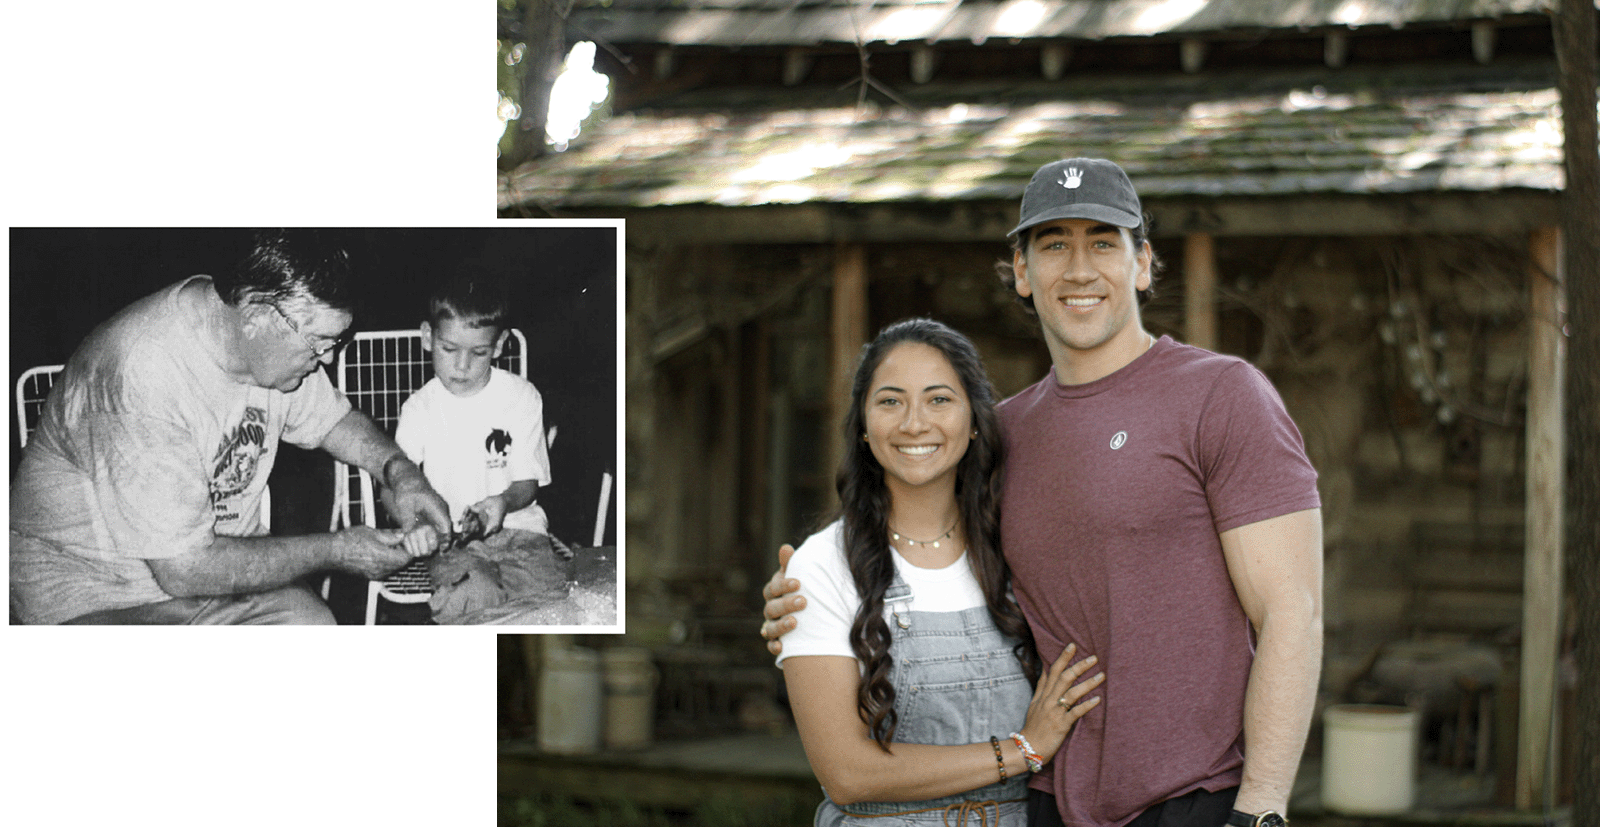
(1270, 818)
(1239, 819)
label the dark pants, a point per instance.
(1197, 809)
(291, 605)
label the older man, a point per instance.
(138, 498)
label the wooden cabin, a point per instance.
(1358, 198)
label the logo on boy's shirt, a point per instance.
(498, 447)
(238, 455)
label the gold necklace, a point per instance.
(934, 542)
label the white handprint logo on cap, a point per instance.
(1072, 178)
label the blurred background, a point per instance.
(1361, 198)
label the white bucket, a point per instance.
(1369, 759)
(630, 679)
(569, 702)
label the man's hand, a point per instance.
(412, 500)
(370, 552)
(781, 603)
(421, 540)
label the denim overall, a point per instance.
(956, 681)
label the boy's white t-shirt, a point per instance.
(475, 446)
(831, 598)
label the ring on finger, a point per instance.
(1062, 702)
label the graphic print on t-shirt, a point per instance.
(496, 461)
(499, 442)
(234, 466)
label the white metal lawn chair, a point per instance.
(33, 387)
(378, 371)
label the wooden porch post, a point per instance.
(1200, 290)
(849, 333)
(1541, 582)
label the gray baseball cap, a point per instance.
(1089, 188)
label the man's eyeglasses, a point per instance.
(317, 352)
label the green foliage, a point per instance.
(551, 810)
(724, 809)
(524, 28)
(730, 810)
(509, 72)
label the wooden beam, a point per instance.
(923, 61)
(1192, 54)
(797, 63)
(1335, 49)
(1199, 290)
(1483, 38)
(849, 333)
(666, 62)
(988, 221)
(1542, 560)
(1578, 55)
(1053, 60)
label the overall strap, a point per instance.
(897, 599)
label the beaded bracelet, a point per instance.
(1035, 763)
(998, 758)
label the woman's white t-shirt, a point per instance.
(823, 626)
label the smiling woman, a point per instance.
(893, 619)
(918, 423)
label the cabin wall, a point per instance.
(1402, 359)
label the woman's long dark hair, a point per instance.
(864, 510)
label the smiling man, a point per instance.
(138, 498)
(1158, 512)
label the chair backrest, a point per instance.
(378, 371)
(33, 386)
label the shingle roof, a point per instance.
(1436, 129)
(802, 22)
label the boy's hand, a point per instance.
(492, 510)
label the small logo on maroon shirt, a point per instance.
(1119, 440)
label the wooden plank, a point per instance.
(1474, 611)
(1199, 290)
(1577, 51)
(746, 26)
(988, 221)
(849, 333)
(1470, 570)
(1541, 624)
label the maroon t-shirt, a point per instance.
(1115, 492)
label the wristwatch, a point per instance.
(1263, 819)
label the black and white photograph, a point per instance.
(315, 426)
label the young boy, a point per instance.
(476, 430)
